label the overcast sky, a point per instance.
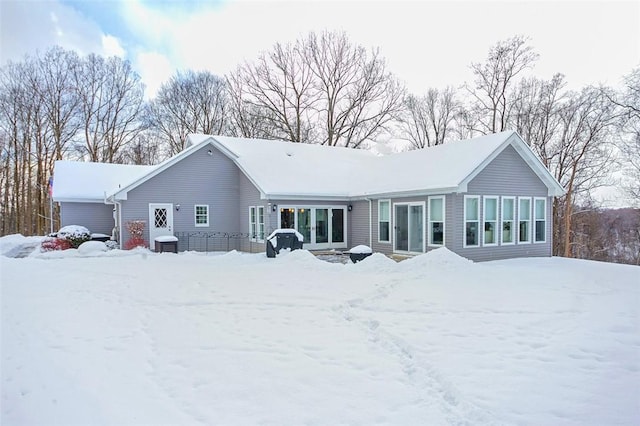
(426, 43)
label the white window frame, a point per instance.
(520, 219)
(514, 235)
(253, 219)
(260, 223)
(464, 222)
(388, 221)
(536, 220)
(430, 221)
(195, 216)
(256, 226)
(496, 234)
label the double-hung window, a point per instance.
(436, 221)
(471, 220)
(540, 218)
(508, 218)
(201, 214)
(260, 223)
(256, 223)
(384, 214)
(524, 219)
(490, 217)
(253, 232)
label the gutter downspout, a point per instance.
(116, 219)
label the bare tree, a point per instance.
(582, 155)
(357, 95)
(190, 102)
(111, 102)
(431, 118)
(492, 91)
(628, 100)
(278, 89)
(320, 89)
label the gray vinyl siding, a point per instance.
(358, 224)
(507, 175)
(96, 217)
(199, 178)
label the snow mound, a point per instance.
(17, 245)
(442, 257)
(377, 262)
(361, 249)
(92, 247)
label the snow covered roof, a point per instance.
(297, 170)
(78, 181)
(287, 170)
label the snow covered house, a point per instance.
(485, 198)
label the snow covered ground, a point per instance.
(239, 339)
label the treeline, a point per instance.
(321, 89)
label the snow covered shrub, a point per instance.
(111, 244)
(136, 231)
(53, 243)
(74, 234)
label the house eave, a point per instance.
(80, 200)
(408, 193)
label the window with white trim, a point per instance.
(201, 214)
(524, 219)
(490, 217)
(436, 221)
(260, 223)
(508, 218)
(253, 233)
(471, 220)
(384, 215)
(540, 218)
(256, 223)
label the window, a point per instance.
(524, 220)
(384, 213)
(471, 220)
(508, 216)
(260, 223)
(256, 223)
(436, 221)
(202, 215)
(540, 217)
(490, 221)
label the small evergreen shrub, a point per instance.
(74, 234)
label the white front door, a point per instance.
(160, 222)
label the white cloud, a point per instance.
(154, 69)
(111, 46)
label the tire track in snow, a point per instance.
(430, 385)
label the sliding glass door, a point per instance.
(409, 230)
(322, 227)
